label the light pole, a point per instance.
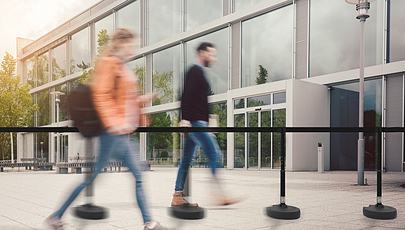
(362, 6)
(57, 101)
(42, 150)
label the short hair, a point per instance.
(204, 46)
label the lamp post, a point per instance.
(42, 150)
(362, 6)
(57, 101)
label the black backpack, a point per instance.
(82, 111)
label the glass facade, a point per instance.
(30, 72)
(279, 120)
(239, 146)
(259, 100)
(129, 17)
(217, 74)
(166, 75)
(239, 103)
(267, 41)
(397, 30)
(241, 4)
(345, 113)
(44, 106)
(201, 12)
(80, 52)
(138, 67)
(63, 108)
(105, 25)
(335, 36)
(43, 69)
(164, 19)
(279, 98)
(58, 62)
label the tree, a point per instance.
(262, 75)
(16, 107)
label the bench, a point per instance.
(33, 161)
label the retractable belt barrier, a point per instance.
(280, 211)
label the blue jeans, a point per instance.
(122, 149)
(207, 142)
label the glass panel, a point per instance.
(279, 98)
(164, 148)
(253, 121)
(239, 103)
(267, 42)
(345, 113)
(129, 17)
(104, 25)
(265, 140)
(63, 109)
(217, 74)
(240, 4)
(201, 12)
(335, 36)
(43, 69)
(397, 30)
(164, 19)
(33, 114)
(59, 62)
(220, 110)
(30, 72)
(63, 148)
(80, 52)
(278, 121)
(259, 100)
(166, 75)
(239, 142)
(138, 67)
(44, 103)
(43, 146)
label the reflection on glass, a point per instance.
(220, 110)
(138, 68)
(265, 139)
(240, 4)
(166, 75)
(279, 98)
(63, 109)
(239, 142)
(104, 24)
(279, 120)
(33, 114)
(44, 105)
(259, 100)
(201, 12)
(397, 30)
(59, 62)
(217, 74)
(30, 71)
(43, 69)
(253, 121)
(128, 17)
(267, 41)
(42, 146)
(345, 113)
(239, 103)
(164, 148)
(164, 19)
(80, 52)
(335, 36)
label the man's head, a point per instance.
(207, 53)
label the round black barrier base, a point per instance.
(379, 211)
(282, 211)
(187, 212)
(91, 212)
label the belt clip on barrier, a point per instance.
(88, 210)
(186, 211)
(379, 211)
(283, 211)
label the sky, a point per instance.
(34, 18)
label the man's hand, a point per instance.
(184, 123)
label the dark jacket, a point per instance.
(194, 101)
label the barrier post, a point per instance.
(283, 211)
(379, 211)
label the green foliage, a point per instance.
(16, 107)
(163, 83)
(262, 75)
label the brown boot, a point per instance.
(178, 199)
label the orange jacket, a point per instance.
(110, 94)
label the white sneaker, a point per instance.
(154, 225)
(53, 223)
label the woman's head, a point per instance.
(122, 43)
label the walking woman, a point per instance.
(115, 94)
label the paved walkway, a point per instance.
(329, 200)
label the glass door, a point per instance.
(265, 140)
(253, 141)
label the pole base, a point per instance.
(379, 211)
(91, 212)
(283, 211)
(187, 212)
